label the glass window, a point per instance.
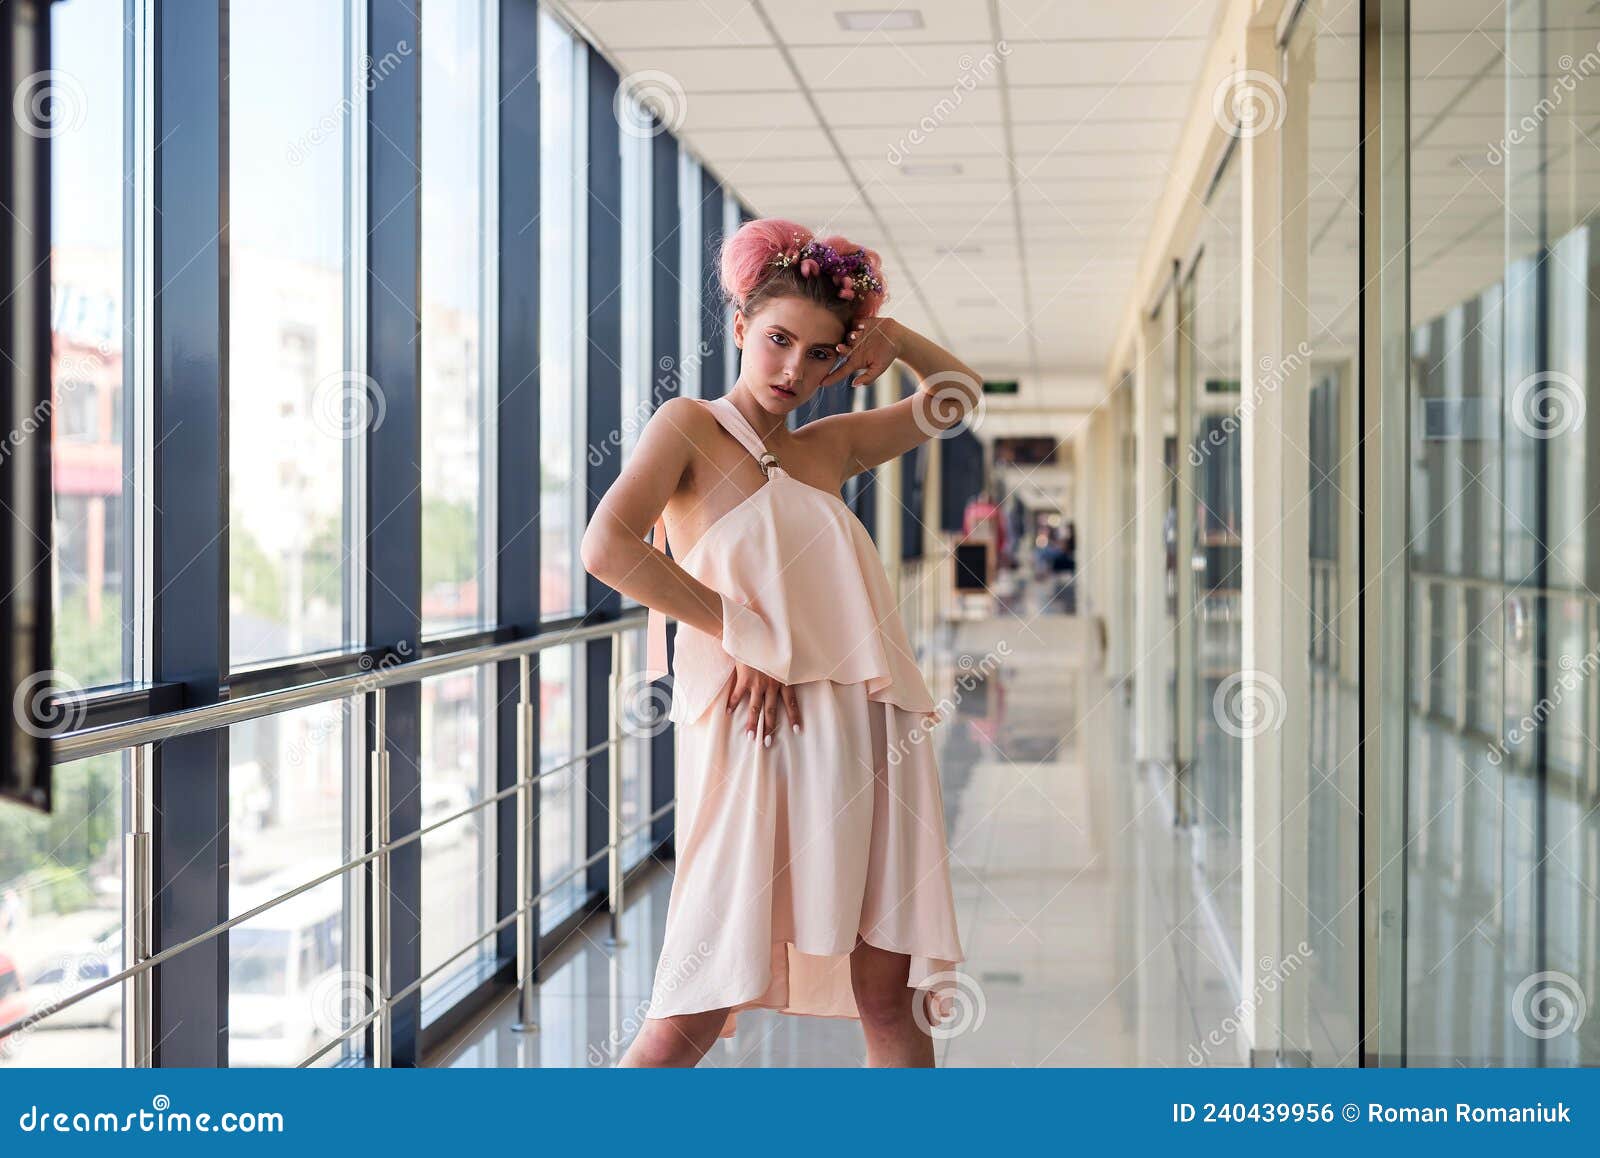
(730, 352)
(563, 506)
(458, 861)
(1502, 843)
(61, 918)
(639, 397)
(563, 796)
(643, 711)
(293, 409)
(90, 471)
(293, 781)
(1210, 485)
(285, 1003)
(1321, 195)
(638, 369)
(456, 268)
(691, 352)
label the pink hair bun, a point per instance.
(769, 246)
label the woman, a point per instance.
(812, 871)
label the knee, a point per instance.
(663, 1042)
(885, 1003)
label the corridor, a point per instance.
(1085, 944)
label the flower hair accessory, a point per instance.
(851, 273)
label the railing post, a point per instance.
(383, 1024)
(137, 1009)
(614, 796)
(527, 903)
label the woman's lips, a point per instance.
(784, 391)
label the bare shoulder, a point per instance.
(685, 416)
(683, 431)
(828, 439)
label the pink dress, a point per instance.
(788, 856)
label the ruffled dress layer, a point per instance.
(789, 856)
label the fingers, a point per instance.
(737, 689)
(769, 713)
(846, 368)
(754, 720)
(764, 701)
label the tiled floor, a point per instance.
(1074, 893)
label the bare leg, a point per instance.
(674, 1041)
(886, 1003)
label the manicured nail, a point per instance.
(751, 734)
(766, 741)
(796, 727)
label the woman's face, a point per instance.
(788, 349)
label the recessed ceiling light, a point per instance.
(880, 20)
(931, 168)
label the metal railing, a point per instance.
(138, 897)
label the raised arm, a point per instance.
(613, 548)
(948, 391)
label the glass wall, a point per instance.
(294, 972)
(457, 266)
(297, 94)
(294, 406)
(61, 918)
(458, 859)
(1209, 483)
(690, 261)
(563, 793)
(1502, 836)
(562, 344)
(1321, 193)
(91, 466)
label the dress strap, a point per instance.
(727, 414)
(737, 425)
(655, 649)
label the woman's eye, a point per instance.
(779, 339)
(822, 355)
